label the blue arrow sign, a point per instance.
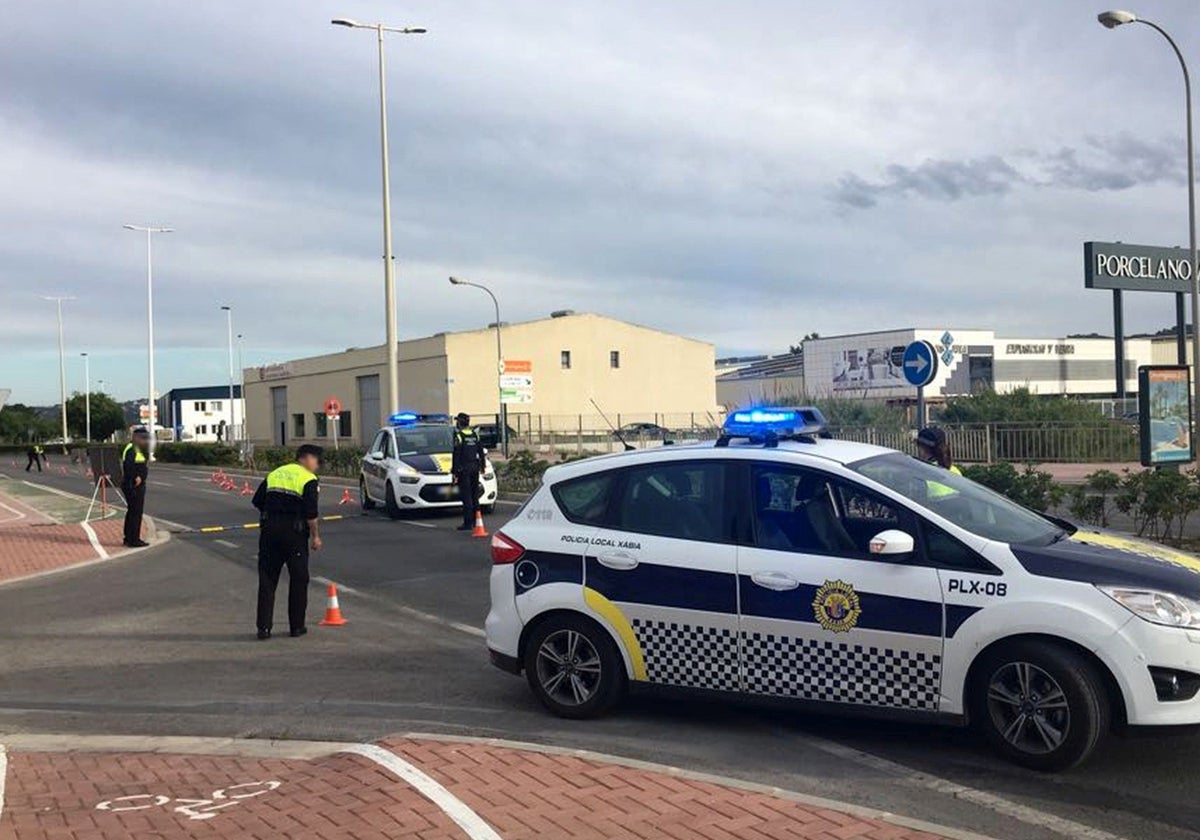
(920, 363)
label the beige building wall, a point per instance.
(733, 392)
(658, 375)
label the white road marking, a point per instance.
(467, 628)
(16, 514)
(418, 524)
(3, 776)
(908, 776)
(341, 588)
(226, 543)
(430, 788)
(162, 484)
(91, 535)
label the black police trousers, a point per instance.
(282, 542)
(135, 503)
(468, 486)
(33, 458)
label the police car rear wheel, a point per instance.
(389, 503)
(1041, 705)
(574, 668)
(365, 501)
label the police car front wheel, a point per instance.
(1041, 705)
(573, 667)
(364, 499)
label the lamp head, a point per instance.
(226, 308)
(1114, 18)
(345, 22)
(454, 281)
(415, 30)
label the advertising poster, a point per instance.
(1164, 414)
(872, 367)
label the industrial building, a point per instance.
(866, 366)
(555, 368)
(204, 414)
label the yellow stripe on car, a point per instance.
(1136, 546)
(613, 615)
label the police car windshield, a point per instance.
(969, 505)
(424, 440)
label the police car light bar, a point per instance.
(755, 423)
(408, 418)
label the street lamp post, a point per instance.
(62, 364)
(242, 377)
(1111, 20)
(232, 409)
(391, 398)
(87, 397)
(150, 231)
(502, 416)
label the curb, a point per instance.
(157, 538)
(311, 750)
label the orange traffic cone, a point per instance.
(333, 612)
(216, 477)
(246, 491)
(479, 530)
(229, 484)
(346, 497)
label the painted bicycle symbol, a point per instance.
(193, 809)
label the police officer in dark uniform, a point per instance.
(466, 467)
(287, 499)
(35, 453)
(135, 469)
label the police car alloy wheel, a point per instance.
(1041, 705)
(364, 500)
(389, 503)
(573, 668)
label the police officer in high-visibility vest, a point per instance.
(287, 499)
(935, 449)
(466, 467)
(35, 455)
(135, 469)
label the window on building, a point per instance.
(614, 358)
(215, 405)
(202, 430)
(345, 429)
(298, 425)
(565, 359)
(320, 424)
(198, 406)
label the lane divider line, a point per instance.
(226, 543)
(216, 529)
(91, 535)
(430, 788)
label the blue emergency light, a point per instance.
(775, 423)
(403, 418)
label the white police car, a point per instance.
(407, 467)
(780, 562)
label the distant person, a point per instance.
(135, 469)
(221, 431)
(287, 500)
(34, 456)
(466, 467)
(935, 448)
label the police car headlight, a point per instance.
(1157, 607)
(407, 474)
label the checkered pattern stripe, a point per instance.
(688, 655)
(817, 669)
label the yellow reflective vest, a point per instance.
(290, 480)
(139, 457)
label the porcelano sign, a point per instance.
(1140, 268)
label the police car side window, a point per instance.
(377, 444)
(585, 499)
(389, 449)
(947, 552)
(681, 499)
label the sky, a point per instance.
(743, 173)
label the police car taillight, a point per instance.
(505, 549)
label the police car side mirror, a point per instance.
(892, 543)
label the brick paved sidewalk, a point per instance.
(419, 788)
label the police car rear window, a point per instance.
(585, 499)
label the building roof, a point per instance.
(786, 364)
(203, 392)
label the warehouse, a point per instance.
(555, 368)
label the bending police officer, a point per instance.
(135, 469)
(466, 467)
(35, 455)
(288, 502)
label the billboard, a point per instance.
(863, 368)
(1138, 268)
(516, 381)
(1164, 414)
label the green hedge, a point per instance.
(202, 454)
(343, 461)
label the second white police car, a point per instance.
(407, 467)
(779, 562)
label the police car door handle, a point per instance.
(618, 560)
(777, 581)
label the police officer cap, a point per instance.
(931, 436)
(463, 417)
(141, 431)
(310, 449)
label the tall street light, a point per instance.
(62, 363)
(150, 231)
(232, 409)
(242, 376)
(1111, 20)
(87, 397)
(502, 416)
(391, 398)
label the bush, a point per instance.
(1091, 501)
(1160, 501)
(1029, 488)
(343, 461)
(201, 454)
(521, 472)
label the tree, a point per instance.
(107, 416)
(799, 348)
(20, 423)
